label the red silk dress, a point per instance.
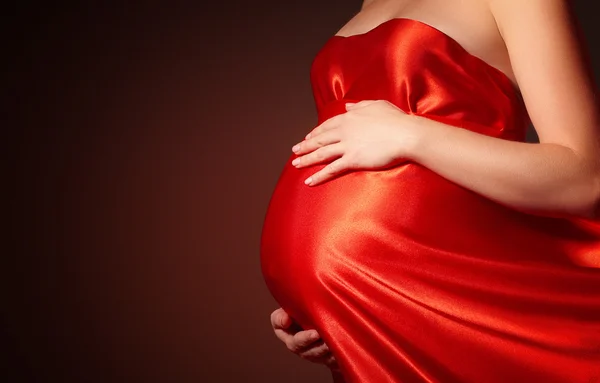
(409, 277)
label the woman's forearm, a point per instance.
(542, 178)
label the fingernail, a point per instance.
(308, 180)
(295, 148)
(314, 335)
(295, 161)
(307, 136)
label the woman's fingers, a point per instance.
(360, 104)
(283, 326)
(305, 343)
(328, 137)
(319, 155)
(302, 340)
(295, 339)
(328, 124)
(280, 319)
(329, 171)
(317, 350)
(328, 360)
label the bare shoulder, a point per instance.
(550, 66)
(507, 12)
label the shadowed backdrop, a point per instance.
(142, 144)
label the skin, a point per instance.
(306, 344)
(559, 176)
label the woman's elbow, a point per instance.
(588, 204)
(595, 210)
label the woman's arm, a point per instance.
(542, 178)
(560, 174)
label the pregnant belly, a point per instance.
(326, 239)
(405, 230)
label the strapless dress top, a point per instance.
(410, 277)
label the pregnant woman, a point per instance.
(414, 230)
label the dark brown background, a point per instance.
(142, 145)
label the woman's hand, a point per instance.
(305, 343)
(373, 134)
